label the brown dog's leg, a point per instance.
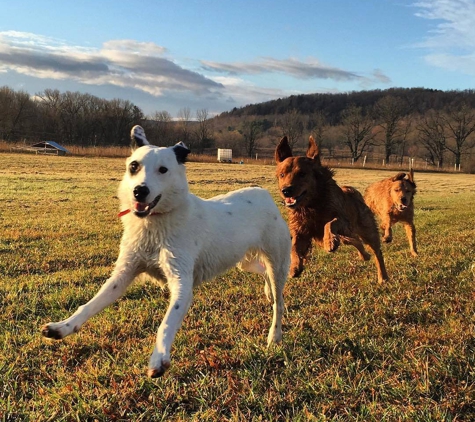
(411, 237)
(300, 248)
(358, 245)
(371, 239)
(379, 261)
(388, 233)
(331, 240)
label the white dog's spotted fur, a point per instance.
(182, 240)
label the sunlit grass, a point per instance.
(352, 350)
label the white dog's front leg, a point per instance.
(112, 289)
(181, 295)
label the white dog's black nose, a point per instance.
(141, 192)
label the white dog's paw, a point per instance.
(58, 330)
(159, 368)
(268, 293)
(275, 337)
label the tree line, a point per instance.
(74, 118)
(437, 126)
(433, 125)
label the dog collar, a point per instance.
(122, 213)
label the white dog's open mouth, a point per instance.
(142, 209)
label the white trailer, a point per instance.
(225, 155)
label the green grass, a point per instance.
(353, 350)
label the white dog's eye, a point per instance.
(133, 167)
(162, 169)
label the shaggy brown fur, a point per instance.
(320, 210)
(392, 201)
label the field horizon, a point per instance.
(352, 350)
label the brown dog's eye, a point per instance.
(162, 170)
(281, 175)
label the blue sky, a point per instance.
(220, 54)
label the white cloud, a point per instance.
(148, 68)
(310, 69)
(464, 64)
(125, 63)
(244, 92)
(451, 42)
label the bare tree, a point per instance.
(317, 125)
(15, 113)
(70, 109)
(204, 130)
(50, 104)
(389, 112)
(358, 131)
(251, 130)
(459, 122)
(120, 116)
(160, 128)
(184, 118)
(432, 136)
(292, 126)
(406, 129)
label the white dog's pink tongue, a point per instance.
(140, 206)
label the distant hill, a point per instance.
(419, 100)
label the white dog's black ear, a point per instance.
(181, 152)
(137, 137)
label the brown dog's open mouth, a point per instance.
(292, 202)
(142, 209)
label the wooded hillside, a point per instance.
(381, 126)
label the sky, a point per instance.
(168, 55)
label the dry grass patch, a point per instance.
(352, 350)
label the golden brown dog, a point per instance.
(320, 210)
(392, 201)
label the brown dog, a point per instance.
(392, 201)
(320, 210)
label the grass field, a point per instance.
(353, 350)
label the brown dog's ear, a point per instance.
(283, 150)
(312, 151)
(398, 176)
(410, 176)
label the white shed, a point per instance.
(225, 155)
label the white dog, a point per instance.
(178, 238)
